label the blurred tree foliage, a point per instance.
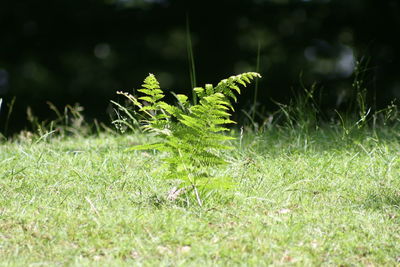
(83, 51)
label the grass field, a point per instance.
(312, 199)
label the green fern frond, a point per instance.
(228, 86)
(152, 94)
(192, 136)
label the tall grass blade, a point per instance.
(192, 68)
(10, 109)
(256, 84)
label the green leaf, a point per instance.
(147, 98)
(199, 91)
(182, 98)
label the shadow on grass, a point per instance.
(386, 198)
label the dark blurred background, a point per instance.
(84, 51)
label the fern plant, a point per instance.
(191, 135)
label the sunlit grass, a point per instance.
(312, 199)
